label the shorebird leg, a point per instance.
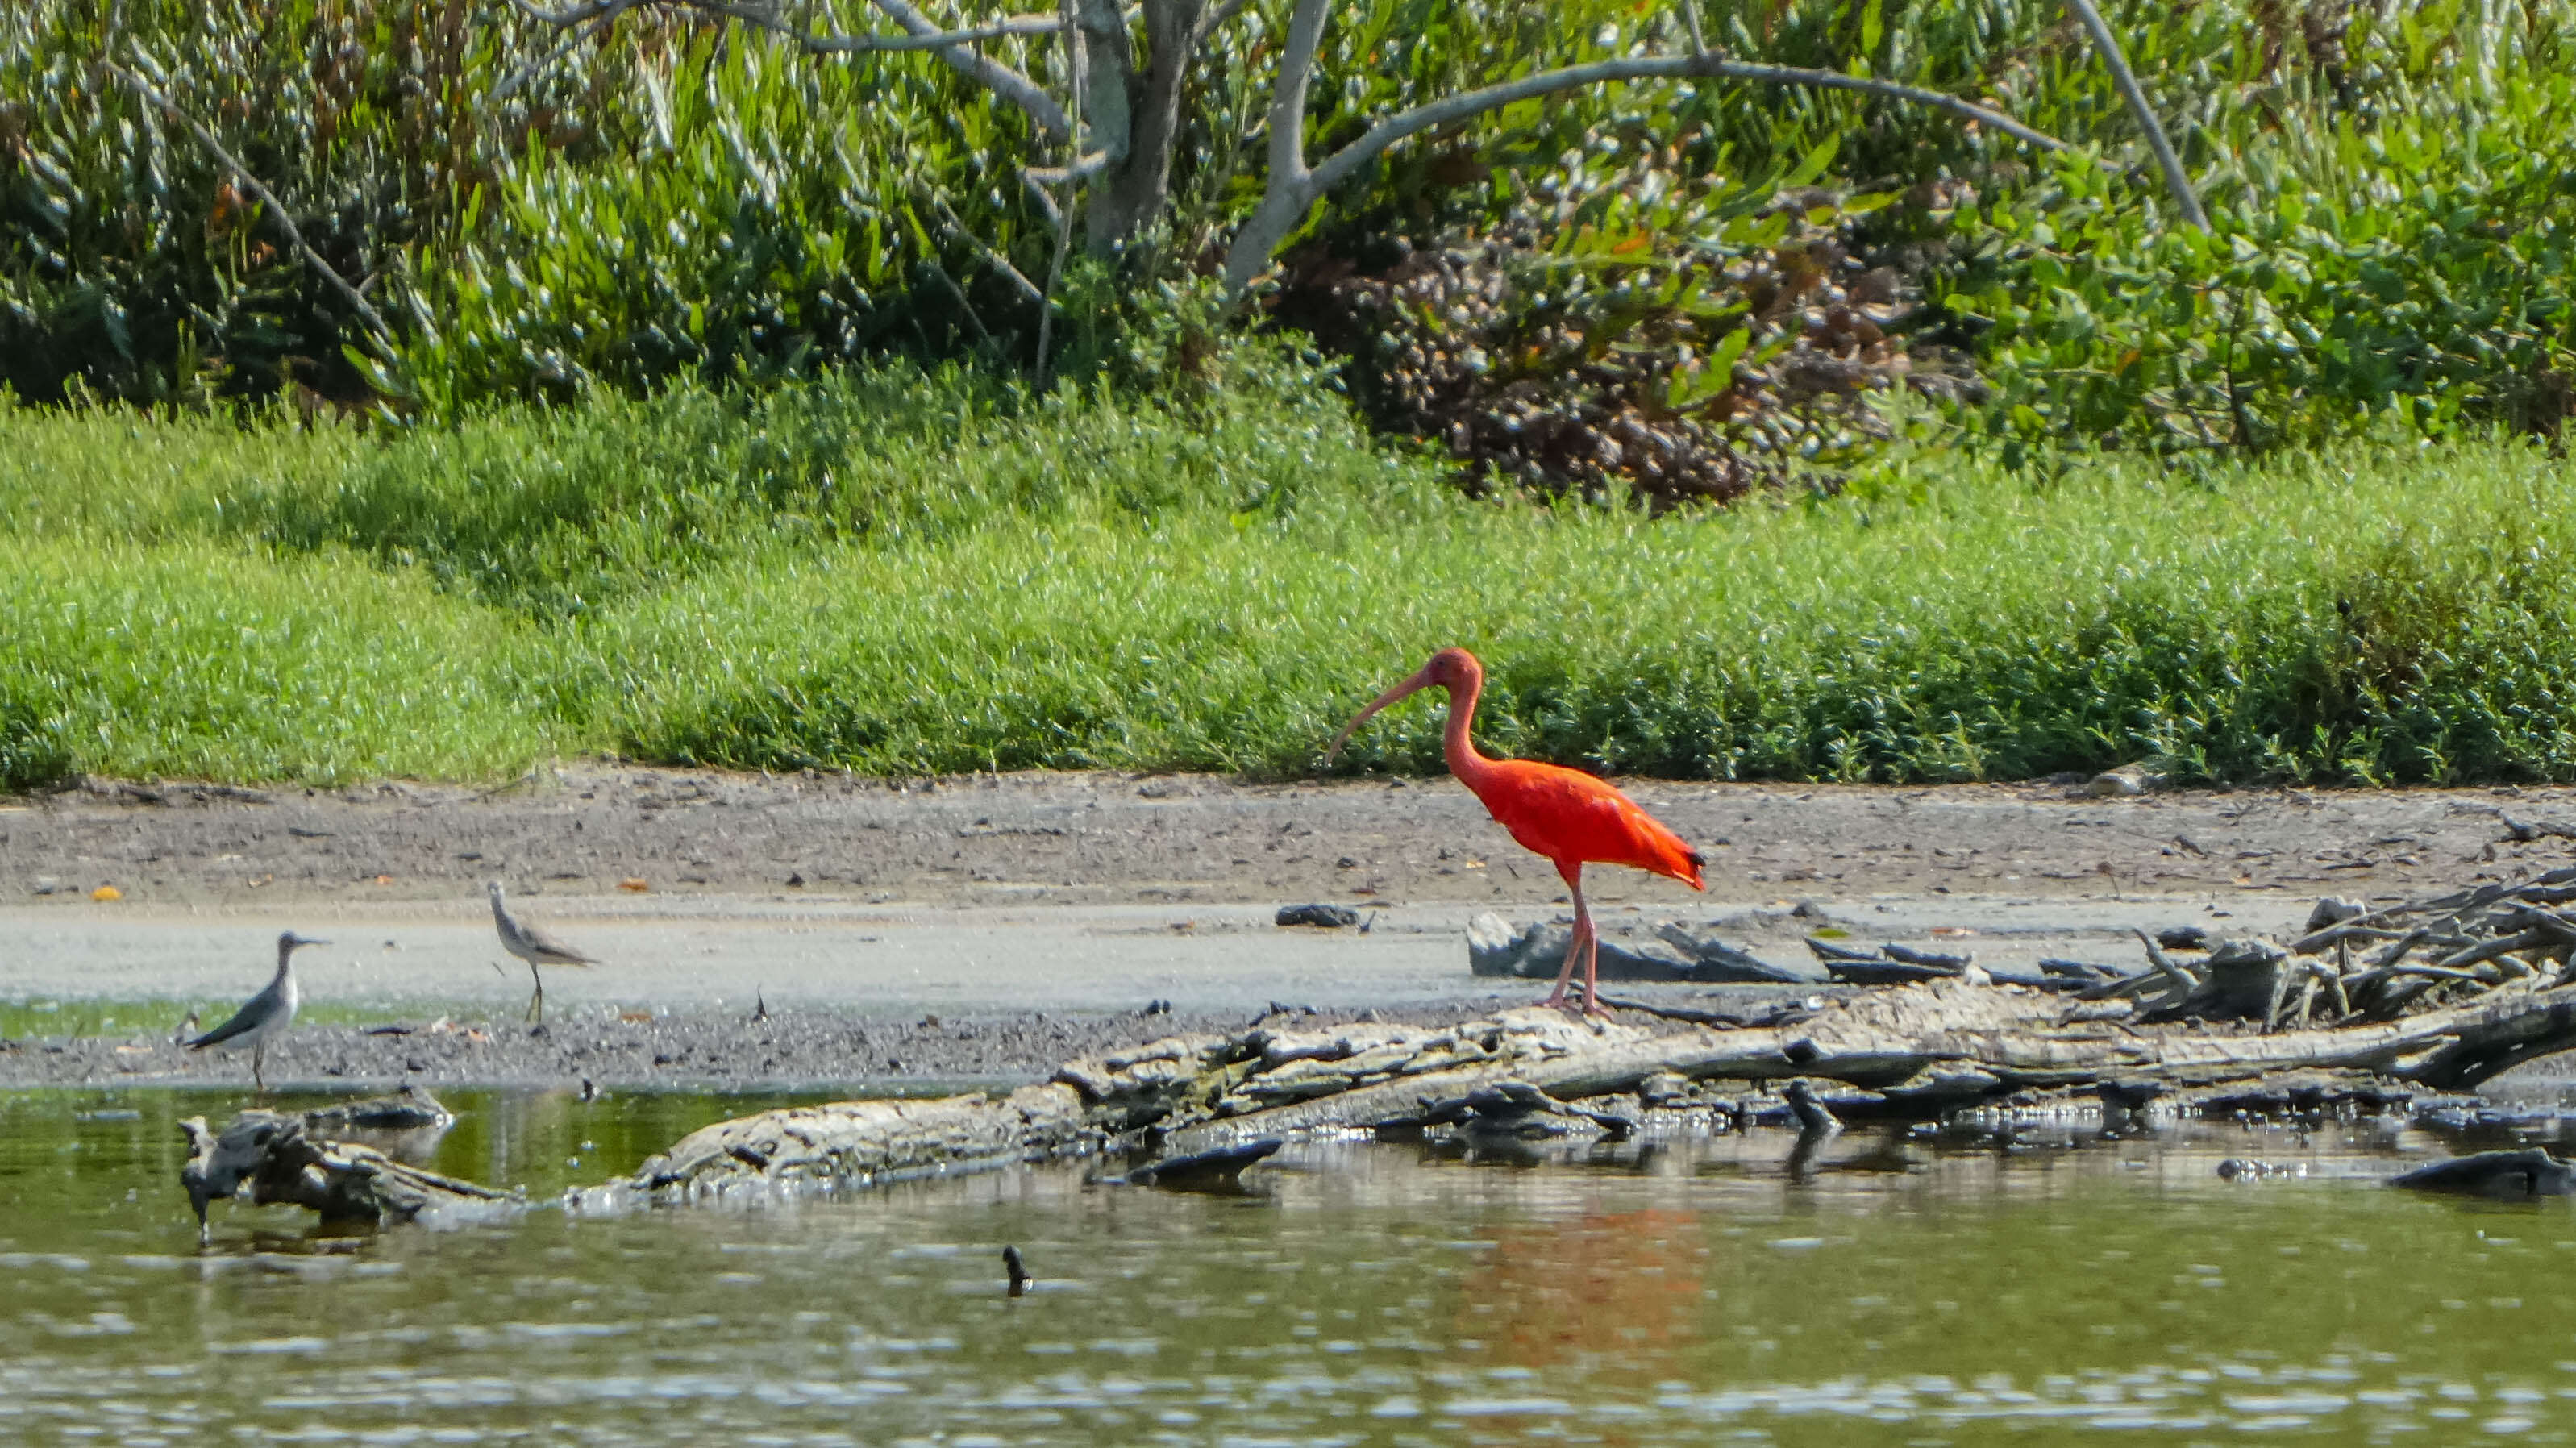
(537, 1002)
(1578, 943)
(1592, 974)
(258, 1083)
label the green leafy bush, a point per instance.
(2300, 314)
(682, 203)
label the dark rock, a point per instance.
(409, 1109)
(1537, 952)
(1330, 917)
(1218, 1167)
(2130, 1095)
(2246, 1168)
(2505, 1174)
(1810, 1112)
(2242, 980)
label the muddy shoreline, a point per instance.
(790, 1049)
(1106, 837)
(1034, 916)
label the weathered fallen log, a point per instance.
(1916, 1051)
(862, 1141)
(263, 1156)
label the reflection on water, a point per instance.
(1918, 1288)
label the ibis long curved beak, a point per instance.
(1421, 680)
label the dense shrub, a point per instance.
(1672, 289)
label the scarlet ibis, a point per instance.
(1566, 815)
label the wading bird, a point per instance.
(268, 1014)
(1568, 816)
(533, 946)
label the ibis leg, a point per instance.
(1592, 974)
(1580, 942)
(1591, 948)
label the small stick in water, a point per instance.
(1019, 1274)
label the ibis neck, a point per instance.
(1458, 740)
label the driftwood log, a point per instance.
(1916, 1051)
(266, 1156)
(2222, 1034)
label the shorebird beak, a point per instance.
(1421, 680)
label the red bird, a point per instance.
(1568, 816)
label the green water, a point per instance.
(1949, 1289)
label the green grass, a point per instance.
(896, 573)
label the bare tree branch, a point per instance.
(1288, 102)
(964, 306)
(596, 26)
(2176, 180)
(575, 16)
(834, 43)
(1293, 187)
(1449, 109)
(994, 76)
(1214, 19)
(1039, 198)
(1081, 170)
(949, 223)
(826, 42)
(921, 34)
(1075, 59)
(276, 209)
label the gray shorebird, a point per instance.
(533, 946)
(267, 1015)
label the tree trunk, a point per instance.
(1131, 195)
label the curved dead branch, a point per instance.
(277, 210)
(1294, 187)
(2176, 180)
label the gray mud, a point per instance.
(728, 1051)
(1115, 838)
(1036, 915)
